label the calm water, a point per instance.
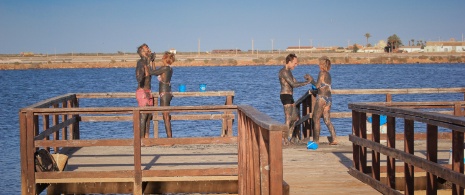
(256, 85)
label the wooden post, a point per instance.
(356, 132)
(363, 135)
(457, 158)
(55, 121)
(30, 149)
(64, 117)
(137, 154)
(391, 143)
(229, 122)
(276, 163)
(388, 97)
(375, 156)
(432, 155)
(408, 148)
(264, 162)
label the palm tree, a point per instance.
(367, 35)
(413, 42)
(395, 41)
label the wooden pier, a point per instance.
(251, 162)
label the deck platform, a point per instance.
(321, 171)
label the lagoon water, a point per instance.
(253, 85)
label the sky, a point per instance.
(89, 26)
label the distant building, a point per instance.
(411, 49)
(233, 51)
(371, 50)
(445, 46)
(173, 51)
(301, 48)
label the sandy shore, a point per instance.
(11, 62)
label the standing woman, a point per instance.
(164, 87)
(323, 102)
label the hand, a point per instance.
(308, 77)
(152, 56)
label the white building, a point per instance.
(445, 46)
(411, 49)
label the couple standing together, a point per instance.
(144, 70)
(322, 104)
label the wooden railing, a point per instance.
(255, 131)
(404, 111)
(306, 101)
(260, 153)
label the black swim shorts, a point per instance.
(286, 99)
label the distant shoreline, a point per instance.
(183, 60)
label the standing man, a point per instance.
(143, 93)
(288, 83)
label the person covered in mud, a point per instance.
(144, 90)
(323, 102)
(164, 74)
(288, 83)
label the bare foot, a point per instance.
(333, 143)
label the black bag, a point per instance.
(44, 161)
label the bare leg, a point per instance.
(287, 114)
(167, 120)
(143, 124)
(293, 133)
(327, 120)
(317, 112)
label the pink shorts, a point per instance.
(144, 97)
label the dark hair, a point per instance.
(139, 49)
(290, 57)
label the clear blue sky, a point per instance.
(51, 26)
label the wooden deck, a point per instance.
(305, 171)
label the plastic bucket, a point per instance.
(203, 87)
(312, 145)
(182, 88)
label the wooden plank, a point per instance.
(191, 178)
(384, 189)
(159, 117)
(83, 143)
(190, 172)
(188, 141)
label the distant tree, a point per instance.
(395, 41)
(367, 35)
(355, 48)
(413, 42)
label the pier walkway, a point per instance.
(249, 158)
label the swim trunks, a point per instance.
(286, 99)
(144, 97)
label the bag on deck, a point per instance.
(44, 161)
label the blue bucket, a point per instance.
(203, 87)
(182, 88)
(312, 145)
